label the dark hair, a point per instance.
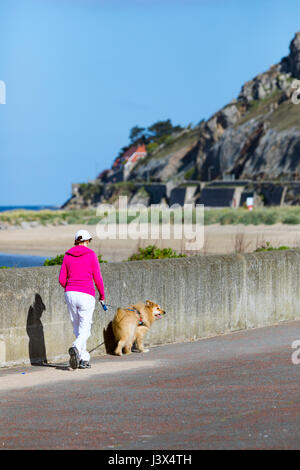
(79, 240)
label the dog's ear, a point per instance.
(149, 303)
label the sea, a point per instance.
(21, 261)
(12, 260)
(29, 208)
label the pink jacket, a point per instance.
(79, 268)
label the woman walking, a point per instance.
(79, 268)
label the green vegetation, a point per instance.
(260, 215)
(123, 188)
(45, 217)
(152, 136)
(171, 143)
(286, 116)
(185, 139)
(90, 191)
(269, 247)
(151, 147)
(190, 173)
(54, 261)
(152, 252)
(157, 132)
(263, 215)
(260, 107)
(57, 260)
(142, 193)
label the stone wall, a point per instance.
(203, 296)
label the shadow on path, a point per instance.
(64, 366)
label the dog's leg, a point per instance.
(118, 350)
(140, 333)
(127, 348)
(130, 340)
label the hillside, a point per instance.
(255, 137)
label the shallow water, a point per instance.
(21, 261)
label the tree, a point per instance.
(136, 134)
(162, 128)
(155, 134)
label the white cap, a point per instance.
(84, 234)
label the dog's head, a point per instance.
(155, 309)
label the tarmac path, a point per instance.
(235, 391)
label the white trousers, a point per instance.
(81, 308)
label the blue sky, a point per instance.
(80, 74)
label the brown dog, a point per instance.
(131, 324)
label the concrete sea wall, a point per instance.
(203, 296)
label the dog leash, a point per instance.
(105, 308)
(96, 347)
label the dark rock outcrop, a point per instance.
(291, 63)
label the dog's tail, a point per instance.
(119, 315)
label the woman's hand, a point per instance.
(103, 305)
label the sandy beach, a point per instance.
(218, 239)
